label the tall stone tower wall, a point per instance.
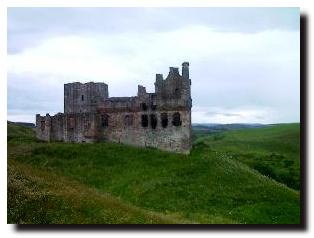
(81, 98)
(158, 120)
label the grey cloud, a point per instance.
(28, 95)
(230, 80)
(35, 24)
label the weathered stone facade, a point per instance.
(159, 120)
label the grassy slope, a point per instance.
(19, 133)
(42, 197)
(205, 187)
(273, 151)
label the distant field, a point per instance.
(220, 182)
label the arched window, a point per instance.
(104, 120)
(164, 120)
(176, 119)
(177, 93)
(82, 97)
(153, 121)
(144, 121)
(143, 106)
(128, 120)
(153, 107)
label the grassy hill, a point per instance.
(20, 133)
(113, 183)
(37, 196)
(273, 150)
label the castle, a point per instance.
(160, 120)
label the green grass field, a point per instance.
(220, 182)
(273, 151)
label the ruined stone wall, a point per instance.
(81, 127)
(56, 127)
(43, 127)
(71, 127)
(81, 98)
(160, 120)
(128, 128)
(172, 97)
(174, 91)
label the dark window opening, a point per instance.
(164, 120)
(82, 97)
(143, 106)
(177, 93)
(42, 125)
(154, 107)
(104, 120)
(153, 121)
(128, 120)
(144, 120)
(176, 119)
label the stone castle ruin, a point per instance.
(160, 120)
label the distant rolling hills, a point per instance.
(248, 176)
(232, 126)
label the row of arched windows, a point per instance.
(176, 120)
(128, 120)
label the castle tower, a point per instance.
(81, 98)
(185, 70)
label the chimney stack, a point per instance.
(185, 70)
(159, 77)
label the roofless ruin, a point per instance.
(160, 120)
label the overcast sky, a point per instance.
(244, 62)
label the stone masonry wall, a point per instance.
(43, 127)
(81, 98)
(170, 138)
(160, 120)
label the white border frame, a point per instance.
(10, 230)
